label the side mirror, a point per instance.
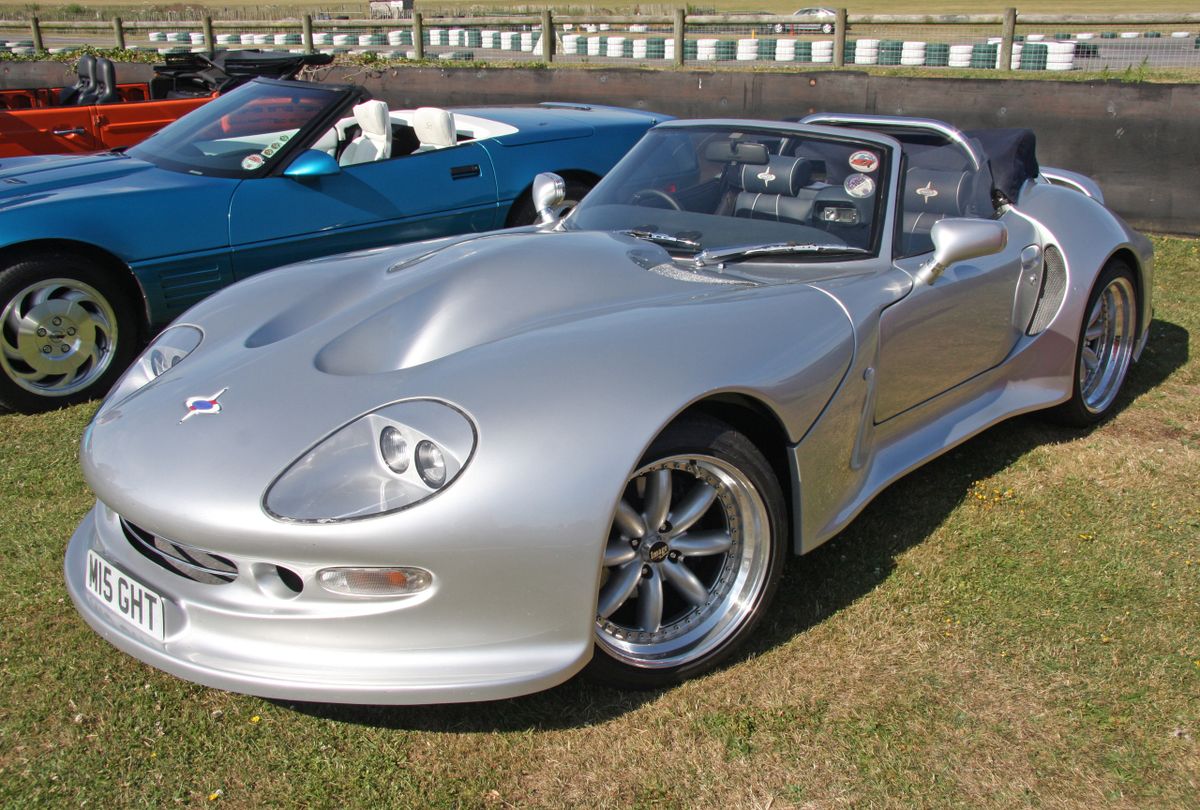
(549, 191)
(957, 240)
(312, 163)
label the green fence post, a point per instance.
(680, 24)
(118, 34)
(35, 28)
(418, 35)
(306, 33)
(1007, 37)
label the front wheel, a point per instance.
(693, 557)
(66, 332)
(1104, 350)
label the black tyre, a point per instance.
(693, 558)
(1104, 350)
(66, 332)
(523, 212)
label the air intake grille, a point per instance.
(186, 561)
(1054, 287)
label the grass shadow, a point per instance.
(814, 587)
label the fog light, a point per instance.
(394, 449)
(375, 581)
(431, 464)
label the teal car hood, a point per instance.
(133, 208)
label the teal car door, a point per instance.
(277, 220)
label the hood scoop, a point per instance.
(481, 291)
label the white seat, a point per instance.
(328, 143)
(375, 142)
(434, 127)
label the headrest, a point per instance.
(936, 192)
(86, 66)
(106, 72)
(435, 126)
(781, 175)
(372, 117)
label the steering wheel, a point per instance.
(648, 193)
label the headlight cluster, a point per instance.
(163, 354)
(383, 461)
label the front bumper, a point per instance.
(242, 638)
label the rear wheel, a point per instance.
(66, 332)
(1104, 350)
(693, 557)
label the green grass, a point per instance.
(1015, 624)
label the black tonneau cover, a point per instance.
(190, 74)
(1012, 155)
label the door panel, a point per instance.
(127, 124)
(47, 131)
(944, 334)
(276, 220)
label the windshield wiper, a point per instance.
(664, 239)
(708, 257)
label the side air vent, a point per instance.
(1054, 288)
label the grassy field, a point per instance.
(1013, 625)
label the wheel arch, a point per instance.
(122, 274)
(526, 195)
(1130, 257)
(762, 426)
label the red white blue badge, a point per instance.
(202, 405)
(864, 162)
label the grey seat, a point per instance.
(774, 191)
(931, 195)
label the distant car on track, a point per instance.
(466, 469)
(809, 20)
(97, 113)
(98, 251)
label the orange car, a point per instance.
(97, 113)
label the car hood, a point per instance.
(471, 320)
(36, 178)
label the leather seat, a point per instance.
(87, 75)
(435, 128)
(931, 195)
(106, 82)
(774, 191)
(375, 142)
(83, 81)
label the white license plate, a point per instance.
(125, 596)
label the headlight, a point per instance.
(384, 461)
(163, 354)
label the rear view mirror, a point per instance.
(960, 239)
(736, 152)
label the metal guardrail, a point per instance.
(1005, 41)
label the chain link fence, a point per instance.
(981, 42)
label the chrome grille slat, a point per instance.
(187, 561)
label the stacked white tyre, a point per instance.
(866, 52)
(1060, 56)
(822, 51)
(912, 54)
(960, 56)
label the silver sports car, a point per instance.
(466, 469)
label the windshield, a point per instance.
(715, 189)
(241, 134)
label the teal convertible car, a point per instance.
(98, 251)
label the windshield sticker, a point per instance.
(255, 161)
(859, 185)
(268, 152)
(864, 162)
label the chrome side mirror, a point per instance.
(957, 240)
(549, 191)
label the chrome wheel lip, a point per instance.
(735, 592)
(1106, 345)
(71, 319)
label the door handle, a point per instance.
(75, 131)
(463, 172)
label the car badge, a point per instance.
(927, 191)
(201, 405)
(766, 176)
